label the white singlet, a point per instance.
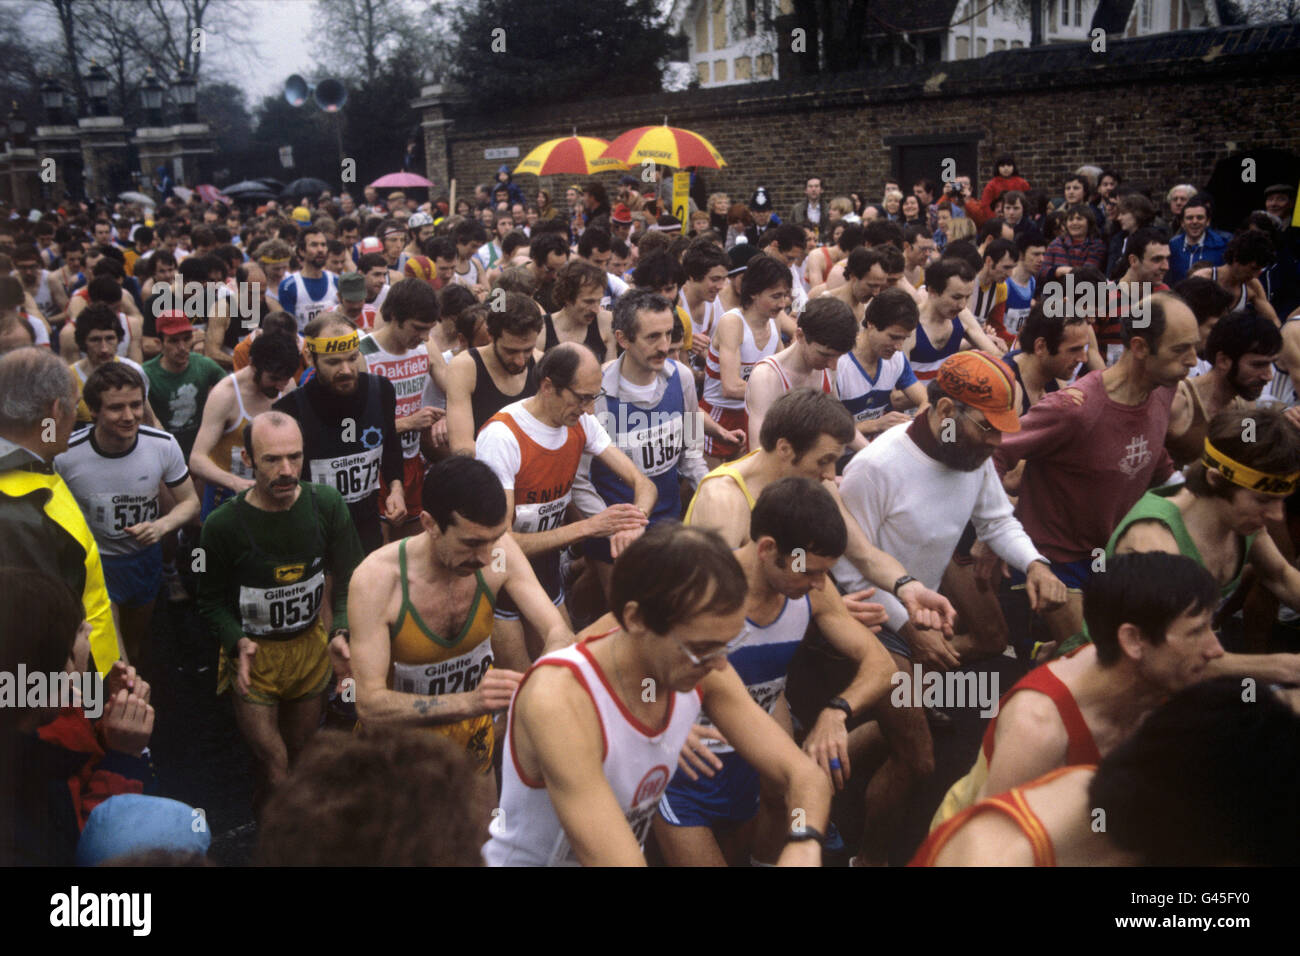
(638, 763)
(750, 355)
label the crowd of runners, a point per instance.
(606, 538)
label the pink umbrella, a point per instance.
(400, 181)
(211, 194)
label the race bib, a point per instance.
(110, 515)
(355, 476)
(458, 675)
(746, 369)
(764, 694)
(283, 609)
(1014, 319)
(541, 517)
(656, 449)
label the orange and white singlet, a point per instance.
(638, 762)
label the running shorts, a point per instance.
(287, 670)
(730, 796)
(133, 580)
(730, 419)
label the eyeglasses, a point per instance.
(699, 660)
(587, 399)
(985, 427)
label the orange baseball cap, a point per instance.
(985, 384)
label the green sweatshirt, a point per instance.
(264, 572)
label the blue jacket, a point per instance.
(1181, 258)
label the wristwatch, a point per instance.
(805, 833)
(905, 579)
(839, 703)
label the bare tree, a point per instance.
(1272, 10)
(356, 37)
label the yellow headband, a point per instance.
(340, 343)
(1278, 486)
(268, 261)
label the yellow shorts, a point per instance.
(283, 670)
(476, 734)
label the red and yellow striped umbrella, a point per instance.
(575, 155)
(667, 146)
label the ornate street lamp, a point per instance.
(52, 101)
(186, 89)
(97, 83)
(151, 95)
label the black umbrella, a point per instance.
(249, 191)
(307, 186)
(270, 182)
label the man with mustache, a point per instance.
(349, 423)
(312, 290)
(266, 555)
(422, 614)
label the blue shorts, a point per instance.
(729, 796)
(1073, 574)
(547, 569)
(133, 580)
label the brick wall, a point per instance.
(1161, 109)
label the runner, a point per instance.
(348, 419)
(1092, 449)
(864, 272)
(590, 750)
(578, 289)
(826, 332)
(946, 324)
(310, 291)
(878, 365)
(649, 408)
(267, 553)
(422, 615)
(535, 447)
(181, 380)
(1205, 733)
(114, 469)
(398, 352)
(482, 381)
(1149, 616)
(796, 533)
(217, 456)
(1023, 281)
(742, 339)
(1241, 351)
(707, 268)
(98, 330)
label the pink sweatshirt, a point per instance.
(1086, 465)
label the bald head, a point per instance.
(271, 427)
(568, 379)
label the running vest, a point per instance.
(305, 308)
(84, 415)
(926, 359)
(1019, 300)
(44, 298)
(592, 340)
(1052, 384)
(638, 762)
(750, 355)
(1081, 749)
(655, 439)
(763, 659)
(428, 664)
(225, 453)
(409, 374)
(280, 595)
(725, 470)
(1156, 506)
(1013, 804)
(544, 483)
(1242, 302)
(487, 399)
(828, 380)
(865, 397)
(353, 467)
(469, 278)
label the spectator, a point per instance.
(1005, 179)
(812, 208)
(1197, 242)
(1078, 246)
